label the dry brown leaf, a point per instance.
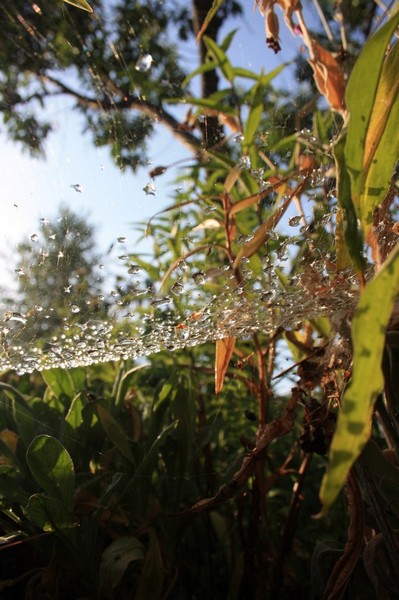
(224, 351)
(329, 77)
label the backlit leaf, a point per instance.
(368, 118)
(80, 4)
(52, 468)
(224, 351)
(368, 335)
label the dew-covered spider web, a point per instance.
(172, 264)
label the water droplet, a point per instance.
(294, 221)
(134, 269)
(144, 63)
(34, 237)
(244, 162)
(123, 257)
(101, 266)
(77, 187)
(199, 277)
(160, 301)
(20, 272)
(150, 189)
(44, 221)
(177, 289)
(15, 316)
(121, 239)
(74, 308)
(238, 138)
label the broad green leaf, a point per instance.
(211, 13)
(348, 229)
(115, 433)
(80, 4)
(368, 336)
(65, 382)
(50, 514)
(52, 468)
(220, 57)
(116, 559)
(362, 92)
(254, 117)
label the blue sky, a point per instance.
(34, 189)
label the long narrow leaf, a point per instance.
(361, 95)
(368, 333)
(212, 12)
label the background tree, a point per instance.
(58, 280)
(118, 65)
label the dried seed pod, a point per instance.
(272, 30)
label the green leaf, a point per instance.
(204, 68)
(52, 468)
(368, 334)
(74, 416)
(382, 144)
(226, 42)
(64, 382)
(220, 57)
(80, 4)
(115, 433)
(369, 75)
(116, 559)
(27, 423)
(211, 13)
(254, 117)
(50, 514)
(349, 228)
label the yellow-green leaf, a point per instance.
(368, 335)
(212, 12)
(382, 141)
(80, 4)
(368, 117)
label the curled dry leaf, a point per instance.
(329, 77)
(272, 29)
(224, 351)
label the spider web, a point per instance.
(188, 314)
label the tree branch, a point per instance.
(156, 113)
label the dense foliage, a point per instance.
(200, 473)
